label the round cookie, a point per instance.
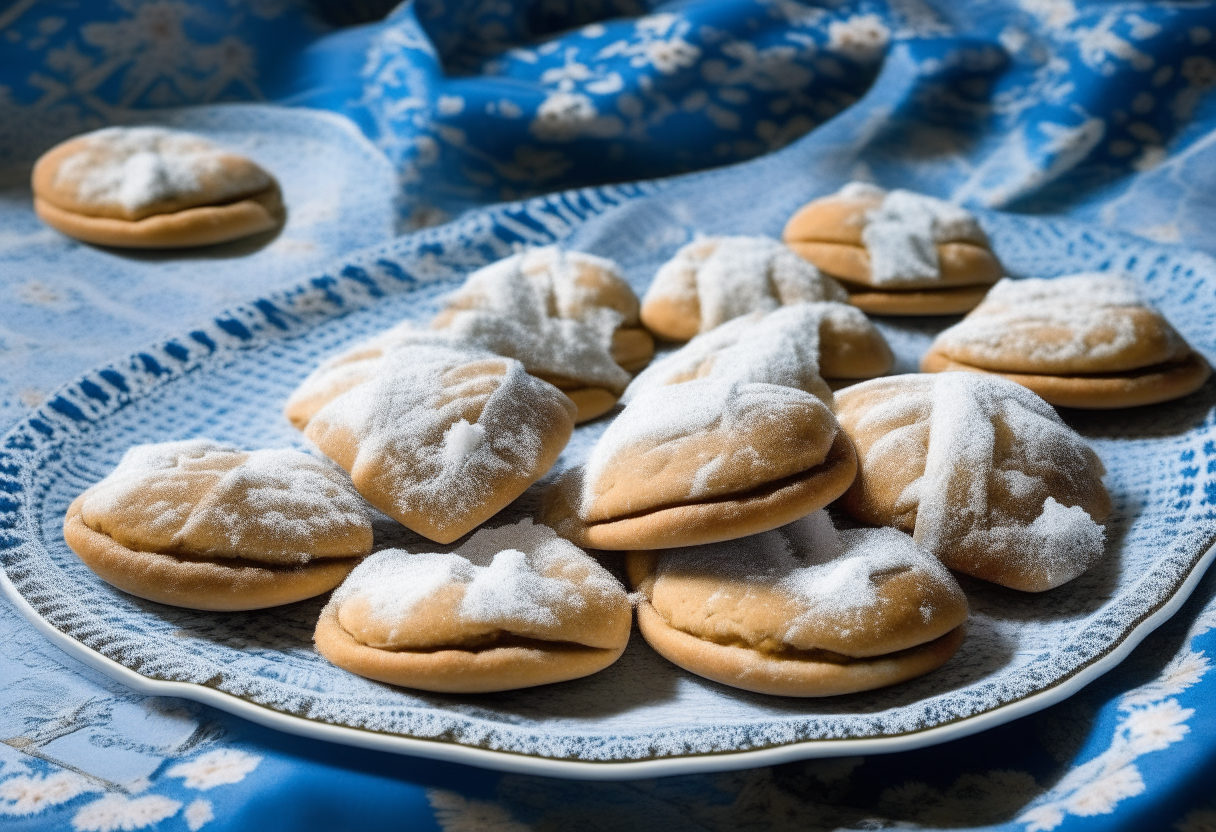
(729, 436)
(983, 472)
(715, 279)
(512, 607)
(444, 441)
(150, 187)
(897, 252)
(1087, 341)
(802, 610)
(202, 525)
(570, 318)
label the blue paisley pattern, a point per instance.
(1098, 112)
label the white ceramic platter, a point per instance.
(642, 716)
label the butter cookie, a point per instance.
(150, 187)
(569, 317)
(730, 436)
(897, 252)
(445, 440)
(1087, 341)
(982, 471)
(512, 607)
(803, 610)
(716, 279)
(203, 525)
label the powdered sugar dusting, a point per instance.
(781, 347)
(733, 276)
(520, 578)
(973, 497)
(832, 577)
(203, 498)
(1077, 323)
(902, 234)
(751, 371)
(136, 167)
(533, 307)
(461, 440)
(412, 455)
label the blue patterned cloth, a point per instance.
(1098, 112)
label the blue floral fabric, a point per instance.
(1101, 112)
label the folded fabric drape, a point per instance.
(1088, 108)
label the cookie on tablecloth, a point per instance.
(1087, 340)
(897, 252)
(715, 279)
(151, 187)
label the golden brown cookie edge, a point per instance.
(962, 264)
(199, 226)
(1152, 385)
(693, 524)
(953, 301)
(460, 671)
(199, 585)
(751, 670)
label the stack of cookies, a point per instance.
(708, 490)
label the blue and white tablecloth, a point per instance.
(1100, 112)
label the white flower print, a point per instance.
(215, 768)
(157, 57)
(1153, 722)
(1183, 671)
(1158, 726)
(659, 42)
(863, 38)
(1099, 46)
(1042, 818)
(1097, 787)
(1054, 13)
(197, 814)
(670, 56)
(119, 813)
(30, 794)
(567, 77)
(1099, 797)
(1206, 622)
(610, 83)
(450, 105)
(563, 116)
